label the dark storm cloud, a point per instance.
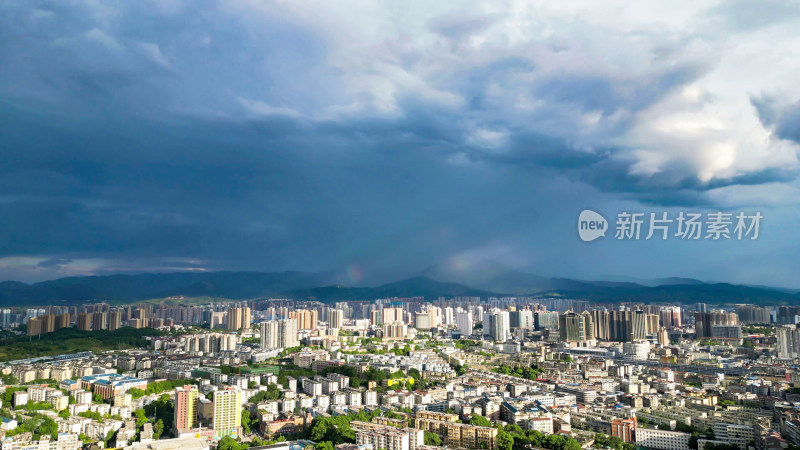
(774, 112)
(206, 135)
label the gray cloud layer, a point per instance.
(265, 135)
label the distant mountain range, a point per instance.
(481, 280)
(131, 288)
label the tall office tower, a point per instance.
(621, 323)
(185, 407)
(99, 321)
(227, 417)
(545, 320)
(114, 320)
(393, 315)
(306, 319)
(62, 321)
(601, 319)
(336, 318)
(638, 326)
(788, 342)
(498, 325)
(578, 328)
(702, 307)
(464, 323)
(84, 321)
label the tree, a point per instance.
(109, 436)
(64, 414)
(479, 421)
(504, 440)
(432, 439)
(324, 445)
(141, 418)
(246, 422)
(158, 428)
(48, 427)
(273, 392)
(229, 443)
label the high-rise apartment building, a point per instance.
(279, 334)
(336, 319)
(85, 321)
(671, 317)
(639, 326)
(464, 322)
(34, 326)
(62, 321)
(521, 318)
(497, 325)
(705, 321)
(393, 315)
(395, 330)
(788, 342)
(306, 319)
(99, 321)
(238, 319)
(576, 328)
(545, 320)
(227, 417)
(114, 320)
(185, 407)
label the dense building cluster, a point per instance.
(410, 374)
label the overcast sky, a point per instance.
(378, 138)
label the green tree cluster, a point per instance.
(479, 421)
(37, 425)
(532, 439)
(273, 392)
(432, 439)
(336, 430)
(605, 441)
(529, 373)
(159, 387)
(71, 340)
